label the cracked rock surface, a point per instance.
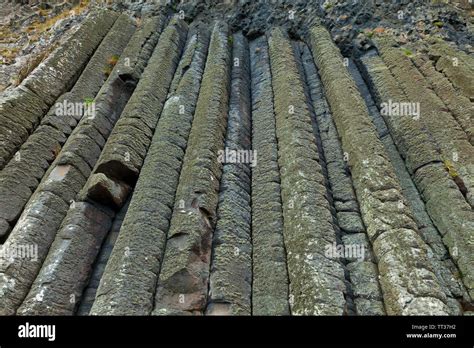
(159, 163)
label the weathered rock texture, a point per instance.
(408, 283)
(228, 172)
(184, 276)
(22, 110)
(270, 275)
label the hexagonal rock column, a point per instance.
(452, 141)
(20, 178)
(59, 284)
(455, 64)
(316, 280)
(183, 280)
(22, 110)
(129, 280)
(270, 276)
(409, 285)
(61, 184)
(230, 283)
(459, 105)
(360, 266)
(444, 203)
(127, 146)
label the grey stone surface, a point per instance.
(184, 277)
(88, 295)
(230, 282)
(63, 275)
(441, 125)
(270, 278)
(128, 143)
(451, 214)
(377, 188)
(44, 145)
(316, 282)
(141, 243)
(49, 80)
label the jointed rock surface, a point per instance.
(237, 172)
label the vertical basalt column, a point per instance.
(65, 271)
(456, 151)
(22, 110)
(231, 266)
(122, 158)
(444, 268)
(270, 276)
(460, 107)
(20, 178)
(444, 203)
(316, 280)
(129, 281)
(88, 295)
(184, 277)
(455, 64)
(408, 283)
(361, 269)
(61, 184)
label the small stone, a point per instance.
(104, 190)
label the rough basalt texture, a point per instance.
(408, 283)
(444, 202)
(230, 281)
(22, 110)
(450, 138)
(184, 276)
(241, 168)
(270, 277)
(22, 174)
(140, 246)
(316, 284)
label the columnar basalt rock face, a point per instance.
(446, 273)
(444, 202)
(361, 268)
(22, 174)
(408, 283)
(59, 284)
(141, 243)
(184, 276)
(316, 281)
(59, 187)
(270, 277)
(90, 291)
(441, 125)
(455, 65)
(127, 146)
(459, 106)
(21, 111)
(228, 172)
(230, 281)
